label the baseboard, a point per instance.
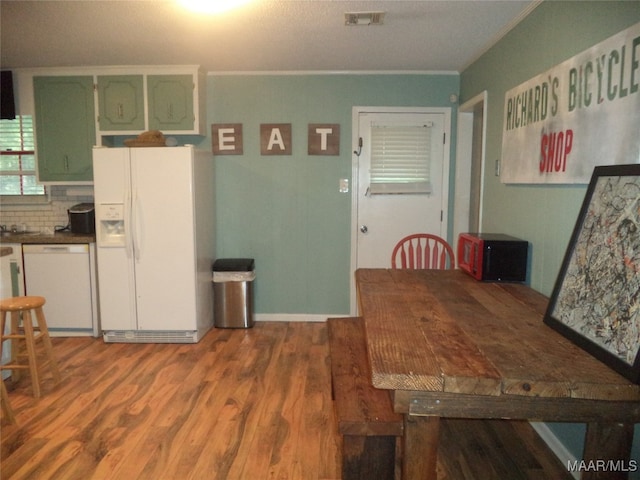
(556, 446)
(295, 317)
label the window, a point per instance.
(400, 159)
(17, 158)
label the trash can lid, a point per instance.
(233, 265)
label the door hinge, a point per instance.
(441, 215)
(444, 138)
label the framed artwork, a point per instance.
(596, 299)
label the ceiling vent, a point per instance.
(363, 18)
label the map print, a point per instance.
(600, 292)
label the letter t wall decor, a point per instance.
(323, 139)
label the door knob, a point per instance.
(364, 229)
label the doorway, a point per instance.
(383, 212)
(470, 166)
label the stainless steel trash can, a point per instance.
(233, 292)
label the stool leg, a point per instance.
(31, 351)
(3, 323)
(44, 332)
(15, 324)
(6, 406)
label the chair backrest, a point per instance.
(423, 251)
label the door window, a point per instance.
(400, 159)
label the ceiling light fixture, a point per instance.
(212, 6)
(356, 19)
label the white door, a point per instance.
(379, 220)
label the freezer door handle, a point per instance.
(137, 246)
(128, 232)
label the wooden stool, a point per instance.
(30, 334)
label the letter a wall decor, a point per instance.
(275, 139)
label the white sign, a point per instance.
(581, 113)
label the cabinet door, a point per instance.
(120, 102)
(171, 102)
(65, 128)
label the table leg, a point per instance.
(607, 451)
(420, 452)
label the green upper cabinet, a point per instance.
(121, 103)
(171, 102)
(129, 100)
(65, 128)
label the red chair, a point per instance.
(423, 251)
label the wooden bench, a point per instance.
(366, 420)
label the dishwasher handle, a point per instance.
(54, 248)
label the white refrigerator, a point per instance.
(155, 243)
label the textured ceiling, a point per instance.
(265, 35)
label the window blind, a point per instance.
(400, 159)
(17, 158)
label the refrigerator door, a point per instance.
(164, 237)
(116, 276)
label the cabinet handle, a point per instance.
(66, 162)
(120, 111)
(170, 111)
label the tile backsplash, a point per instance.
(45, 218)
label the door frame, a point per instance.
(355, 126)
(464, 160)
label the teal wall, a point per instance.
(286, 211)
(544, 215)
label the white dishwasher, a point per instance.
(65, 275)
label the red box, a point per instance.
(493, 257)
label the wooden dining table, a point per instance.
(448, 346)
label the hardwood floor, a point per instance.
(241, 404)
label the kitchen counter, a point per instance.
(58, 237)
